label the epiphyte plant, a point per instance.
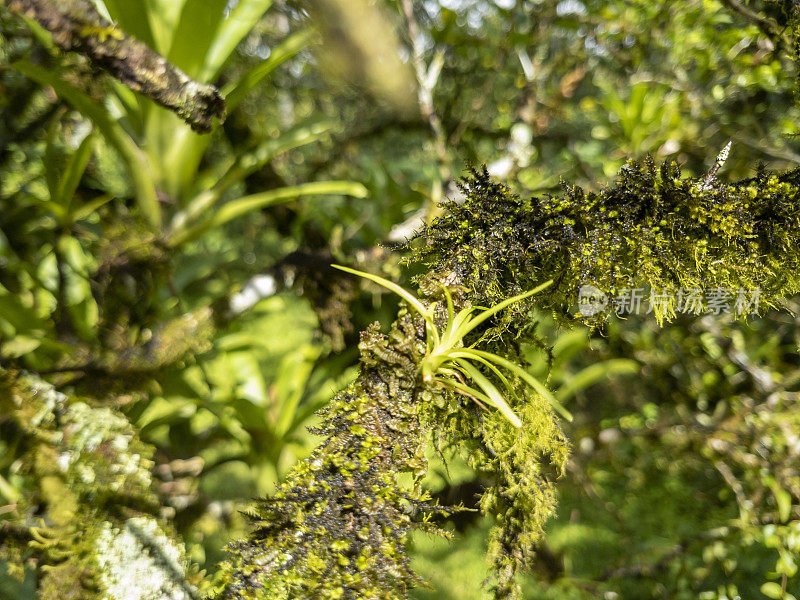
(450, 363)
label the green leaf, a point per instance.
(197, 28)
(233, 30)
(569, 344)
(784, 501)
(50, 163)
(111, 130)
(490, 390)
(235, 91)
(246, 204)
(456, 326)
(42, 35)
(463, 388)
(76, 166)
(527, 377)
(594, 373)
(393, 287)
(292, 380)
(132, 17)
(84, 210)
(20, 345)
(490, 312)
(80, 303)
(21, 317)
(249, 162)
(181, 149)
(127, 102)
(466, 354)
(163, 17)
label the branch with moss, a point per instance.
(337, 526)
(77, 26)
(652, 228)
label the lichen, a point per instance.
(87, 513)
(138, 562)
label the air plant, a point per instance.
(450, 363)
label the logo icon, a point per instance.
(591, 300)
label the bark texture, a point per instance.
(76, 26)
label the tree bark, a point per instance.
(76, 26)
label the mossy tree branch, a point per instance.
(338, 525)
(652, 228)
(87, 513)
(77, 26)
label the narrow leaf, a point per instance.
(50, 163)
(468, 355)
(84, 210)
(76, 166)
(490, 312)
(490, 390)
(241, 20)
(393, 287)
(298, 135)
(594, 373)
(132, 18)
(111, 131)
(197, 27)
(235, 92)
(163, 17)
(527, 377)
(465, 389)
(246, 204)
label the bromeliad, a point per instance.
(450, 363)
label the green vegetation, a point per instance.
(198, 402)
(651, 228)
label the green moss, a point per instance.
(338, 525)
(651, 228)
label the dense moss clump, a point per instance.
(338, 525)
(87, 516)
(651, 229)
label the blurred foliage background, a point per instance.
(184, 280)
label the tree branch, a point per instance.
(76, 26)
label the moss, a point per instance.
(338, 525)
(652, 228)
(522, 464)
